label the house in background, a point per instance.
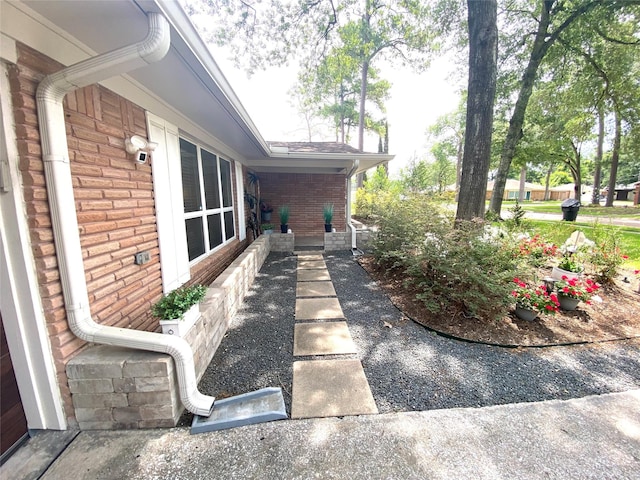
(562, 192)
(533, 191)
(104, 156)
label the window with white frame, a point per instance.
(207, 199)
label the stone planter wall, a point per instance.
(282, 242)
(337, 241)
(119, 388)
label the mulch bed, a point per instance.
(616, 317)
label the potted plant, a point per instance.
(178, 310)
(267, 228)
(265, 211)
(569, 266)
(327, 213)
(572, 291)
(533, 300)
(283, 212)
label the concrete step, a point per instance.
(330, 388)
(318, 309)
(326, 338)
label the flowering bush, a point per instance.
(534, 298)
(606, 256)
(536, 250)
(577, 288)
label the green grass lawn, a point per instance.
(558, 232)
(618, 210)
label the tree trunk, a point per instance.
(547, 192)
(576, 171)
(483, 54)
(514, 134)
(523, 179)
(615, 156)
(595, 195)
(459, 166)
(360, 178)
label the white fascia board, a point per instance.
(182, 24)
(20, 23)
(8, 51)
(322, 161)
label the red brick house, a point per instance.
(120, 136)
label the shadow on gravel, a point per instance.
(409, 368)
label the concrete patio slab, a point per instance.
(318, 309)
(330, 388)
(313, 275)
(326, 338)
(311, 264)
(315, 289)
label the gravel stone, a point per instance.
(409, 368)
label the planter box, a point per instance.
(178, 326)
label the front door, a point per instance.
(13, 423)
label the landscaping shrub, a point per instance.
(449, 268)
(605, 256)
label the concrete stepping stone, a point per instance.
(313, 275)
(315, 289)
(310, 256)
(330, 388)
(318, 309)
(327, 338)
(311, 264)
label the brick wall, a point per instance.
(305, 194)
(115, 388)
(115, 210)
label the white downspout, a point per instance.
(354, 237)
(55, 153)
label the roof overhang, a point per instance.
(188, 80)
(318, 162)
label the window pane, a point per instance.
(225, 176)
(215, 230)
(228, 225)
(190, 180)
(195, 237)
(210, 173)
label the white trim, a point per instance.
(167, 188)
(203, 213)
(241, 223)
(21, 23)
(22, 311)
(8, 49)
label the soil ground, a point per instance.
(615, 317)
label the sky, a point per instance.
(416, 101)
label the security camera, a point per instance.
(141, 156)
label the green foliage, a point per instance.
(378, 191)
(449, 268)
(516, 221)
(267, 226)
(283, 212)
(327, 213)
(176, 303)
(606, 255)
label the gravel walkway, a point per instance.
(407, 366)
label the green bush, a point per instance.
(450, 268)
(606, 255)
(176, 303)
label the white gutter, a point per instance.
(354, 239)
(55, 153)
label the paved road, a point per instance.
(620, 221)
